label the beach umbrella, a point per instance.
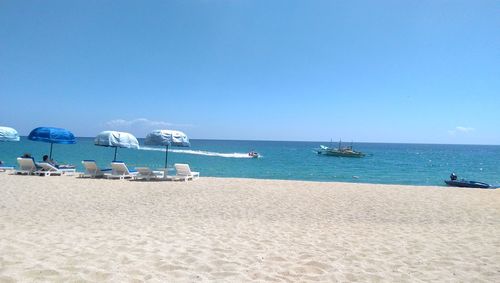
(116, 139)
(8, 134)
(167, 138)
(52, 136)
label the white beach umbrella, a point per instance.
(116, 139)
(167, 138)
(8, 134)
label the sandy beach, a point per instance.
(66, 229)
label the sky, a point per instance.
(369, 71)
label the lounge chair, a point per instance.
(27, 166)
(92, 171)
(4, 168)
(148, 174)
(184, 173)
(120, 171)
(48, 169)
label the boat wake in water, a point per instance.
(200, 152)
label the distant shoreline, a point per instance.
(323, 142)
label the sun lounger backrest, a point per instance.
(182, 169)
(90, 166)
(26, 164)
(119, 168)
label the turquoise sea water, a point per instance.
(417, 164)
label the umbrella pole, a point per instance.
(50, 155)
(166, 155)
(114, 159)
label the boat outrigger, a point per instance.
(346, 151)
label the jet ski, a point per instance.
(253, 154)
(455, 182)
(468, 184)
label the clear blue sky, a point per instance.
(374, 71)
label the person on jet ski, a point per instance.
(453, 177)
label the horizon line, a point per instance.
(311, 141)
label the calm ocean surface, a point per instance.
(415, 164)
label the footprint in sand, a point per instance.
(7, 279)
(171, 267)
(37, 274)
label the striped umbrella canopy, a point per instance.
(167, 138)
(8, 134)
(52, 135)
(116, 139)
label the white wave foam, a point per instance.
(201, 152)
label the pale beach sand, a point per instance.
(65, 229)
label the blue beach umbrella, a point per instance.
(167, 138)
(8, 134)
(52, 136)
(116, 139)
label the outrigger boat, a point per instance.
(340, 151)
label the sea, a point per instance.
(385, 163)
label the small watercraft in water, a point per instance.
(253, 154)
(340, 151)
(468, 184)
(454, 182)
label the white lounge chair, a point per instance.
(4, 168)
(92, 171)
(27, 166)
(48, 170)
(148, 174)
(120, 171)
(67, 169)
(184, 173)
